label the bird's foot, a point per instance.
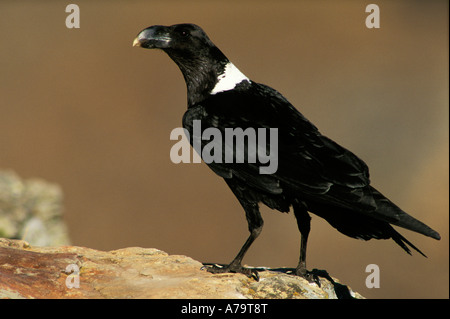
(231, 268)
(312, 276)
(342, 291)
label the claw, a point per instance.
(218, 269)
(255, 275)
(312, 276)
(207, 266)
(342, 291)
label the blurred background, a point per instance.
(84, 109)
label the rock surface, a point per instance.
(78, 272)
(31, 210)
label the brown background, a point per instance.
(83, 108)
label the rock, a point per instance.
(31, 210)
(78, 272)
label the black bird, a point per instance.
(314, 174)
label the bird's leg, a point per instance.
(236, 265)
(304, 225)
(255, 225)
(301, 267)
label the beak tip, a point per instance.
(136, 43)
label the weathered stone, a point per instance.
(42, 272)
(32, 210)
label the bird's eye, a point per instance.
(184, 33)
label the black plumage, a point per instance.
(314, 174)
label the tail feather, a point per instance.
(403, 242)
(362, 226)
(385, 208)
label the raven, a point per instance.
(314, 173)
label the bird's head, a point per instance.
(200, 61)
(186, 39)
